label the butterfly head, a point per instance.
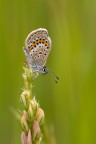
(44, 70)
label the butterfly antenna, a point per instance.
(56, 78)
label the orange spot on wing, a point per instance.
(46, 43)
(36, 42)
(30, 48)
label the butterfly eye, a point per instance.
(45, 70)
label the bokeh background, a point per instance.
(70, 105)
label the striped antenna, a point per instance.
(53, 75)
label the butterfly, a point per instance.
(37, 49)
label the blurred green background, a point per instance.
(70, 105)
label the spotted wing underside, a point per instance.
(38, 46)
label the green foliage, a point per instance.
(69, 106)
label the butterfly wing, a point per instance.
(38, 46)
